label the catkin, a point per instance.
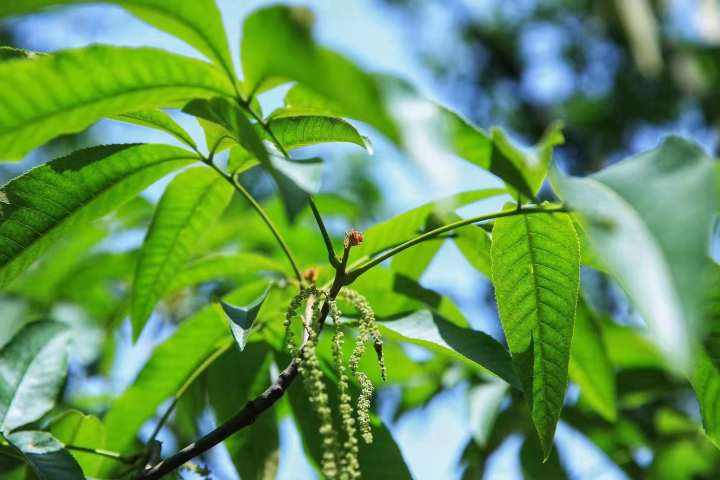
(350, 465)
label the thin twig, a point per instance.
(265, 217)
(103, 453)
(356, 272)
(326, 236)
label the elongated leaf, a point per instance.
(46, 456)
(158, 120)
(301, 101)
(242, 318)
(590, 366)
(471, 346)
(294, 132)
(277, 44)
(198, 22)
(41, 205)
(80, 430)
(61, 93)
(190, 205)
(233, 380)
(32, 369)
(533, 466)
(171, 364)
(409, 224)
(224, 266)
(663, 270)
(706, 383)
(536, 273)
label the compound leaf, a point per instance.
(536, 273)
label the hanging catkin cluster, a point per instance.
(340, 458)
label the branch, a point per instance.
(356, 272)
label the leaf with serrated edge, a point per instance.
(158, 120)
(295, 132)
(536, 274)
(38, 207)
(33, 366)
(198, 22)
(192, 202)
(67, 97)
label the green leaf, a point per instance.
(662, 269)
(46, 456)
(295, 179)
(12, 53)
(535, 467)
(224, 266)
(536, 274)
(254, 449)
(192, 202)
(295, 132)
(32, 368)
(158, 120)
(277, 46)
(300, 101)
(242, 318)
(705, 380)
(590, 366)
(404, 226)
(39, 207)
(473, 347)
(60, 93)
(198, 22)
(80, 430)
(172, 363)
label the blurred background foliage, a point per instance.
(620, 74)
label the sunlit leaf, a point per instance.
(197, 22)
(536, 273)
(590, 366)
(662, 269)
(192, 202)
(295, 132)
(277, 45)
(158, 120)
(32, 369)
(60, 93)
(80, 430)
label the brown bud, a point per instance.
(353, 238)
(311, 275)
